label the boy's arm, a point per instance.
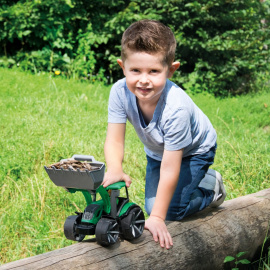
(114, 155)
(169, 175)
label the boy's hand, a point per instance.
(113, 177)
(158, 228)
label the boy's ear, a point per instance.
(121, 64)
(174, 66)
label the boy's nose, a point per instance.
(144, 79)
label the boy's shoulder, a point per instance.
(119, 88)
(173, 89)
(175, 96)
(120, 83)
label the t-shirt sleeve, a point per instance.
(177, 130)
(116, 110)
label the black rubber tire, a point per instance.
(107, 231)
(70, 229)
(133, 224)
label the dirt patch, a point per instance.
(267, 128)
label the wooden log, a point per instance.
(201, 241)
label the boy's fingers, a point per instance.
(159, 232)
(155, 237)
(105, 183)
(127, 180)
(168, 240)
(165, 240)
(110, 178)
(162, 240)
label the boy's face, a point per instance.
(146, 75)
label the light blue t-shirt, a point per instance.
(177, 122)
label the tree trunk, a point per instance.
(201, 241)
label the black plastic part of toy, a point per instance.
(70, 228)
(114, 195)
(132, 225)
(90, 211)
(107, 231)
(85, 229)
(121, 203)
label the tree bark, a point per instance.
(201, 241)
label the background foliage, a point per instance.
(222, 44)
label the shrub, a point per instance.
(222, 44)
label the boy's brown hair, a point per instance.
(149, 36)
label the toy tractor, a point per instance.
(106, 218)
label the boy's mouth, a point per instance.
(143, 89)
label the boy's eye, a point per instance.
(154, 71)
(135, 70)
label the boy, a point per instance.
(179, 140)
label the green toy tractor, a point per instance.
(106, 218)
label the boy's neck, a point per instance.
(147, 110)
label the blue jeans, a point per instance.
(188, 198)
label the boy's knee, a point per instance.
(149, 203)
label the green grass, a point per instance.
(45, 119)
